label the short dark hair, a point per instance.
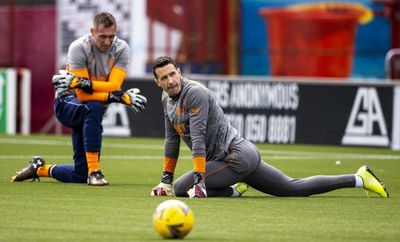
(104, 18)
(162, 61)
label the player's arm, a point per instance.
(84, 86)
(198, 106)
(117, 73)
(115, 80)
(88, 88)
(171, 154)
(131, 98)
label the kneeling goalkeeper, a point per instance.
(96, 67)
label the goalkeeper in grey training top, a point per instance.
(97, 64)
(225, 164)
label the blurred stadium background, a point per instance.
(229, 45)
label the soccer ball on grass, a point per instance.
(173, 219)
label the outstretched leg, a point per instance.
(270, 180)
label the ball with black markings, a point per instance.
(173, 219)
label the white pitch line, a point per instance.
(330, 155)
(65, 143)
(160, 157)
(270, 154)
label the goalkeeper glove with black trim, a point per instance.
(165, 186)
(199, 188)
(66, 80)
(131, 98)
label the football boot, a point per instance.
(96, 178)
(371, 182)
(29, 172)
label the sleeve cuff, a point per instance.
(199, 163)
(169, 164)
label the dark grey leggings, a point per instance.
(243, 164)
(270, 180)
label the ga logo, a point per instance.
(366, 125)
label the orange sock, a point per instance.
(43, 171)
(92, 161)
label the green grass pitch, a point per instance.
(53, 211)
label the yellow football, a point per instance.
(173, 219)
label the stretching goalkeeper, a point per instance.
(96, 67)
(224, 162)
